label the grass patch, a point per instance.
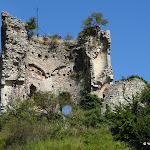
(88, 139)
(37, 125)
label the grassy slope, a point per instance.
(90, 139)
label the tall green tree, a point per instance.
(31, 25)
(94, 19)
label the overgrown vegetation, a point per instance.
(131, 120)
(94, 19)
(91, 27)
(90, 101)
(132, 77)
(39, 123)
(72, 139)
(36, 124)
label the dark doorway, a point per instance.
(32, 90)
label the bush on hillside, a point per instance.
(90, 101)
(131, 120)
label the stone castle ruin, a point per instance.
(47, 64)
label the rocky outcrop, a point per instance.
(47, 64)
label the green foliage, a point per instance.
(93, 118)
(64, 99)
(31, 119)
(90, 101)
(50, 102)
(21, 123)
(132, 77)
(131, 120)
(145, 96)
(94, 20)
(25, 123)
(18, 107)
(90, 116)
(19, 131)
(31, 25)
(46, 100)
(72, 139)
(91, 27)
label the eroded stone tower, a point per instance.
(48, 64)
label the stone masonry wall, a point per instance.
(114, 93)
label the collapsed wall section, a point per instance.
(117, 92)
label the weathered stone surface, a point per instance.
(98, 57)
(51, 65)
(114, 93)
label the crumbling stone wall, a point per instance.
(14, 45)
(116, 92)
(40, 63)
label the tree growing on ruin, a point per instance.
(94, 19)
(31, 25)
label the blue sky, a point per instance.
(66, 110)
(129, 24)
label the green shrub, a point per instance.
(94, 19)
(74, 139)
(45, 100)
(93, 118)
(89, 101)
(131, 120)
(19, 107)
(64, 98)
(19, 131)
(30, 26)
(89, 115)
(23, 122)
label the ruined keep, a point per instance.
(47, 64)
